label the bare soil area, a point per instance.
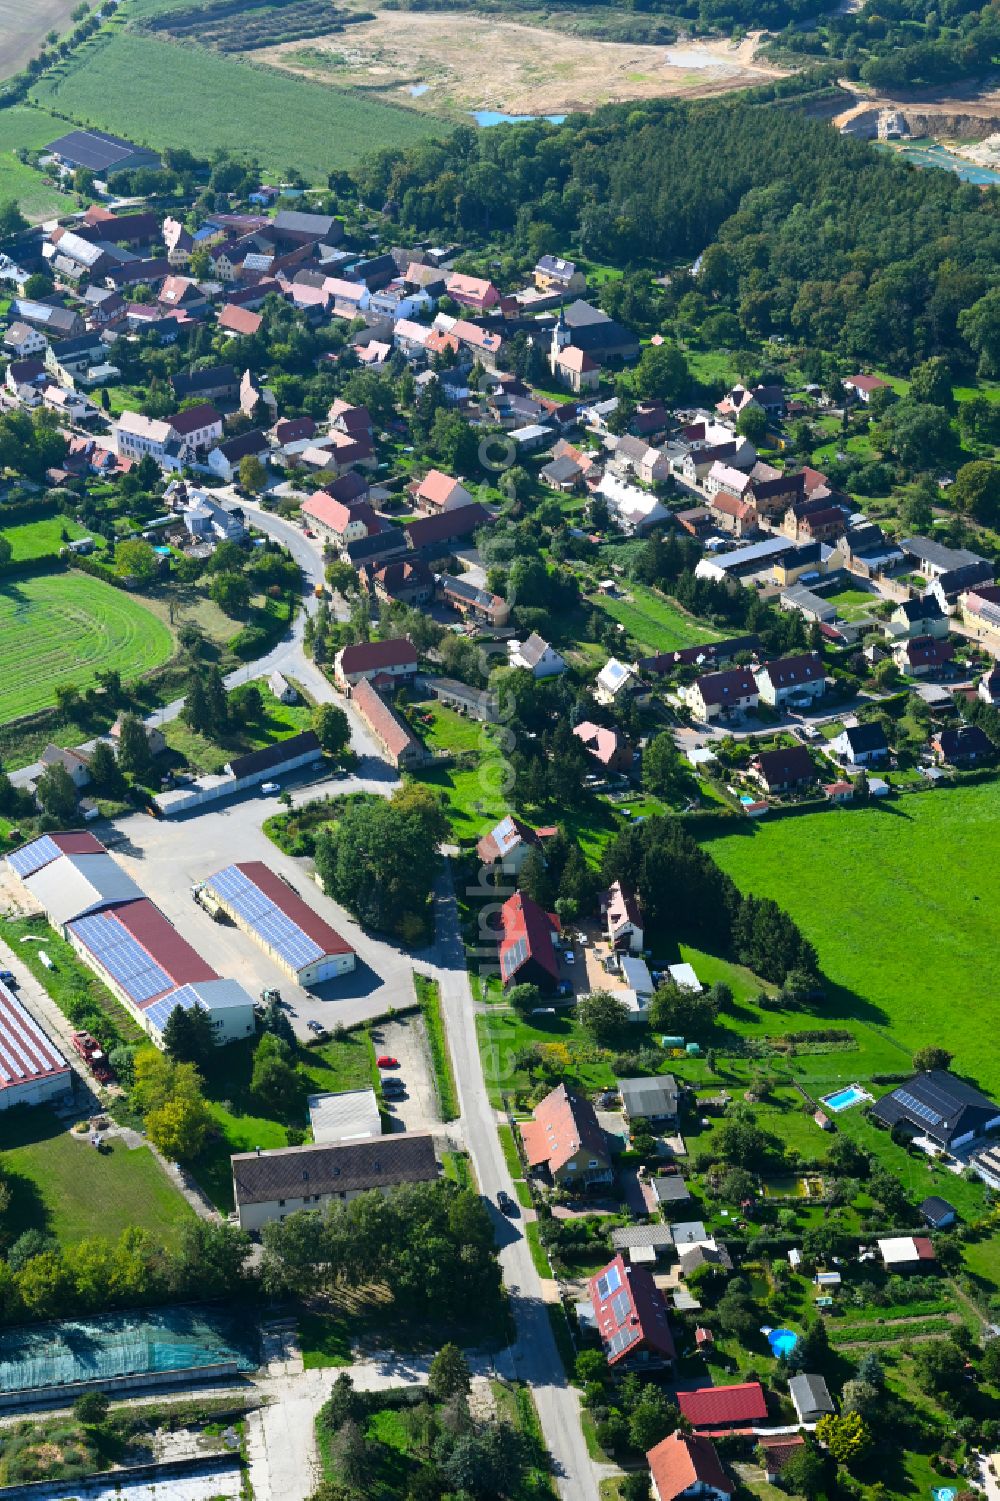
(454, 63)
(24, 25)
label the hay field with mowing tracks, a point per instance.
(65, 628)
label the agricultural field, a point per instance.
(460, 63)
(62, 1187)
(23, 29)
(67, 627)
(24, 126)
(160, 93)
(901, 941)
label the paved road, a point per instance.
(535, 1358)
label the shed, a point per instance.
(810, 1397)
(938, 1213)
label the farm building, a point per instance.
(344, 1115)
(32, 1071)
(100, 153)
(262, 905)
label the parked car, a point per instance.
(270, 788)
(569, 956)
(8, 977)
(506, 1204)
(316, 1027)
(385, 1060)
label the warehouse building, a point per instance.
(32, 1071)
(124, 938)
(264, 906)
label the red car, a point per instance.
(386, 1062)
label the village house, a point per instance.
(980, 612)
(535, 656)
(723, 695)
(472, 602)
(731, 514)
(393, 661)
(636, 456)
(810, 1397)
(199, 427)
(917, 617)
(939, 1106)
(725, 476)
(724, 1409)
(609, 748)
(631, 1317)
(988, 687)
(224, 458)
(814, 521)
(139, 436)
(860, 745)
(565, 1138)
(686, 1467)
(270, 1185)
(791, 680)
(239, 322)
(923, 656)
(614, 682)
(438, 492)
(509, 843)
(967, 745)
(405, 580)
(784, 770)
(631, 510)
(72, 761)
(472, 292)
(769, 399)
(528, 954)
(622, 915)
(553, 274)
(155, 738)
(21, 342)
(341, 523)
(863, 387)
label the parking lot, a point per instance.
(167, 858)
(406, 1040)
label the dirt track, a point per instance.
(461, 62)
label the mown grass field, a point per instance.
(42, 539)
(65, 628)
(22, 125)
(160, 93)
(62, 1186)
(900, 903)
(655, 622)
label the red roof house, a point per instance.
(631, 1315)
(527, 947)
(685, 1464)
(565, 1137)
(721, 1409)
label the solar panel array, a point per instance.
(609, 1283)
(159, 1011)
(33, 856)
(123, 957)
(512, 959)
(621, 1307)
(273, 926)
(621, 1340)
(918, 1108)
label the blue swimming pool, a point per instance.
(844, 1098)
(782, 1341)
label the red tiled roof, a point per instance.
(684, 1460)
(524, 921)
(727, 687)
(780, 1449)
(162, 942)
(563, 1124)
(26, 1054)
(239, 320)
(437, 488)
(190, 420)
(633, 1305)
(301, 914)
(368, 655)
(723, 1406)
(383, 719)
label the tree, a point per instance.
(134, 755)
(105, 773)
(56, 792)
(253, 475)
(635, 1487)
(524, 998)
(804, 1472)
(918, 434)
(137, 560)
(989, 1364)
(12, 221)
(381, 858)
(939, 1368)
(275, 1081)
(484, 1462)
(931, 383)
(662, 768)
(741, 1141)
(752, 424)
(604, 1016)
(179, 1126)
(652, 1418)
(91, 1409)
(6, 551)
(925, 1059)
(682, 1013)
(976, 491)
(449, 1374)
(861, 1397)
(979, 325)
(332, 727)
(188, 1036)
(231, 592)
(847, 1437)
(661, 373)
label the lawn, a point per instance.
(277, 722)
(62, 1186)
(22, 125)
(654, 621)
(899, 900)
(160, 93)
(475, 794)
(504, 1034)
(852, 604)
(70, 982)
(65, 628)
(42, 539)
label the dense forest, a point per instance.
(813, 237)
(900, 44)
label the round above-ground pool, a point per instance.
(782, 1341)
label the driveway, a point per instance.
(406, 1039)
(167, 857)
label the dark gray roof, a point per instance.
(290, 221)
(100, 152)
(692, 1257)
(866, 737)
(926, 608)
(273, 756)
(938, 1105)
(340, 1167)
(655, 1096)
(810, 1393)
(934, 1209)
(641, 1235)
(927, 550)
(561, 469)
(193, 382)
(670, 1188)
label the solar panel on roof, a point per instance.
(621, 1340)
(33, 856)
(123, 957)
(621, 1307)
(514, 957)
(609, 1283)
(273, 926)
(920, 1110)
(159, 1011)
